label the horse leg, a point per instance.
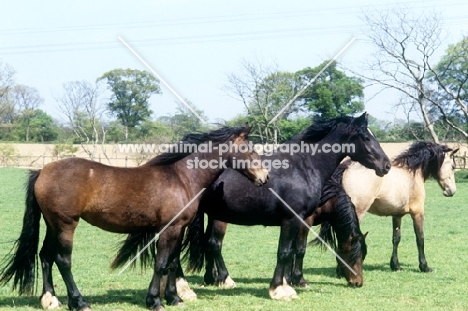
(418, 224)
(47, 255)
(168, 249)
(183, 289)
(279, 288)
(210, 272)
(63, 260)
(216, 245)
(300, 249)
(394, 264)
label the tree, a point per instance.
(184, 121)
(333, 93)
(450, 82)
(41, 127)
(405, 44)
(264, 91)
(7, 74)
(26, 99)
(8, 113)
(131, 90)
(84, 112)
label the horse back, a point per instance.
(231, 199)
(112, 198)
(397, 193)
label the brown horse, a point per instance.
(149, 198)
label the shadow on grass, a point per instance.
(257, 287)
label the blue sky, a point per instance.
(193, 45)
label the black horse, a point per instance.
(232, 200)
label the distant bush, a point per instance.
(8, 154)
(64, 150)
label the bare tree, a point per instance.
(80, 104)
(7, 109)
(263, 90)
(7, 74)
(405, 44)
(26, 99)
(450, 93)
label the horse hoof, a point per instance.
(279, 294)
(426, 270)
(290, 292)
(283, 292)
(228, 283)
(184, 291)
(49, 302)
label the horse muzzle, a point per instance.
(354, 284)
(262, 177)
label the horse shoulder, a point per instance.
(362, 186)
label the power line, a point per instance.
(224, 18)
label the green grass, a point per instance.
(250, 254)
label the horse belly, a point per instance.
(388, 208)
(119, 223)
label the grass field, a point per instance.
(250, 254)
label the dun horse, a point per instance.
(121, 200)
(402, 191)
(231, 200)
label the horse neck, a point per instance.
(327, 162)
(344, 220)
(198, 177)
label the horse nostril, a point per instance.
(388, 166)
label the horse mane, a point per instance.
(425, 156)
(177, 153)
(321, 128)
(345, 222)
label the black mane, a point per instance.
(425, 156)
(177, 153)
(321, 128)
(344, 221)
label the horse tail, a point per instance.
(194, 243)
(136, 244)
(22, 266)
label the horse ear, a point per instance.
(454, 151)
(361, 121)
(245, 131)
(365, 235)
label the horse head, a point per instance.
(352, 252)
(367, 149)
(446, 173)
